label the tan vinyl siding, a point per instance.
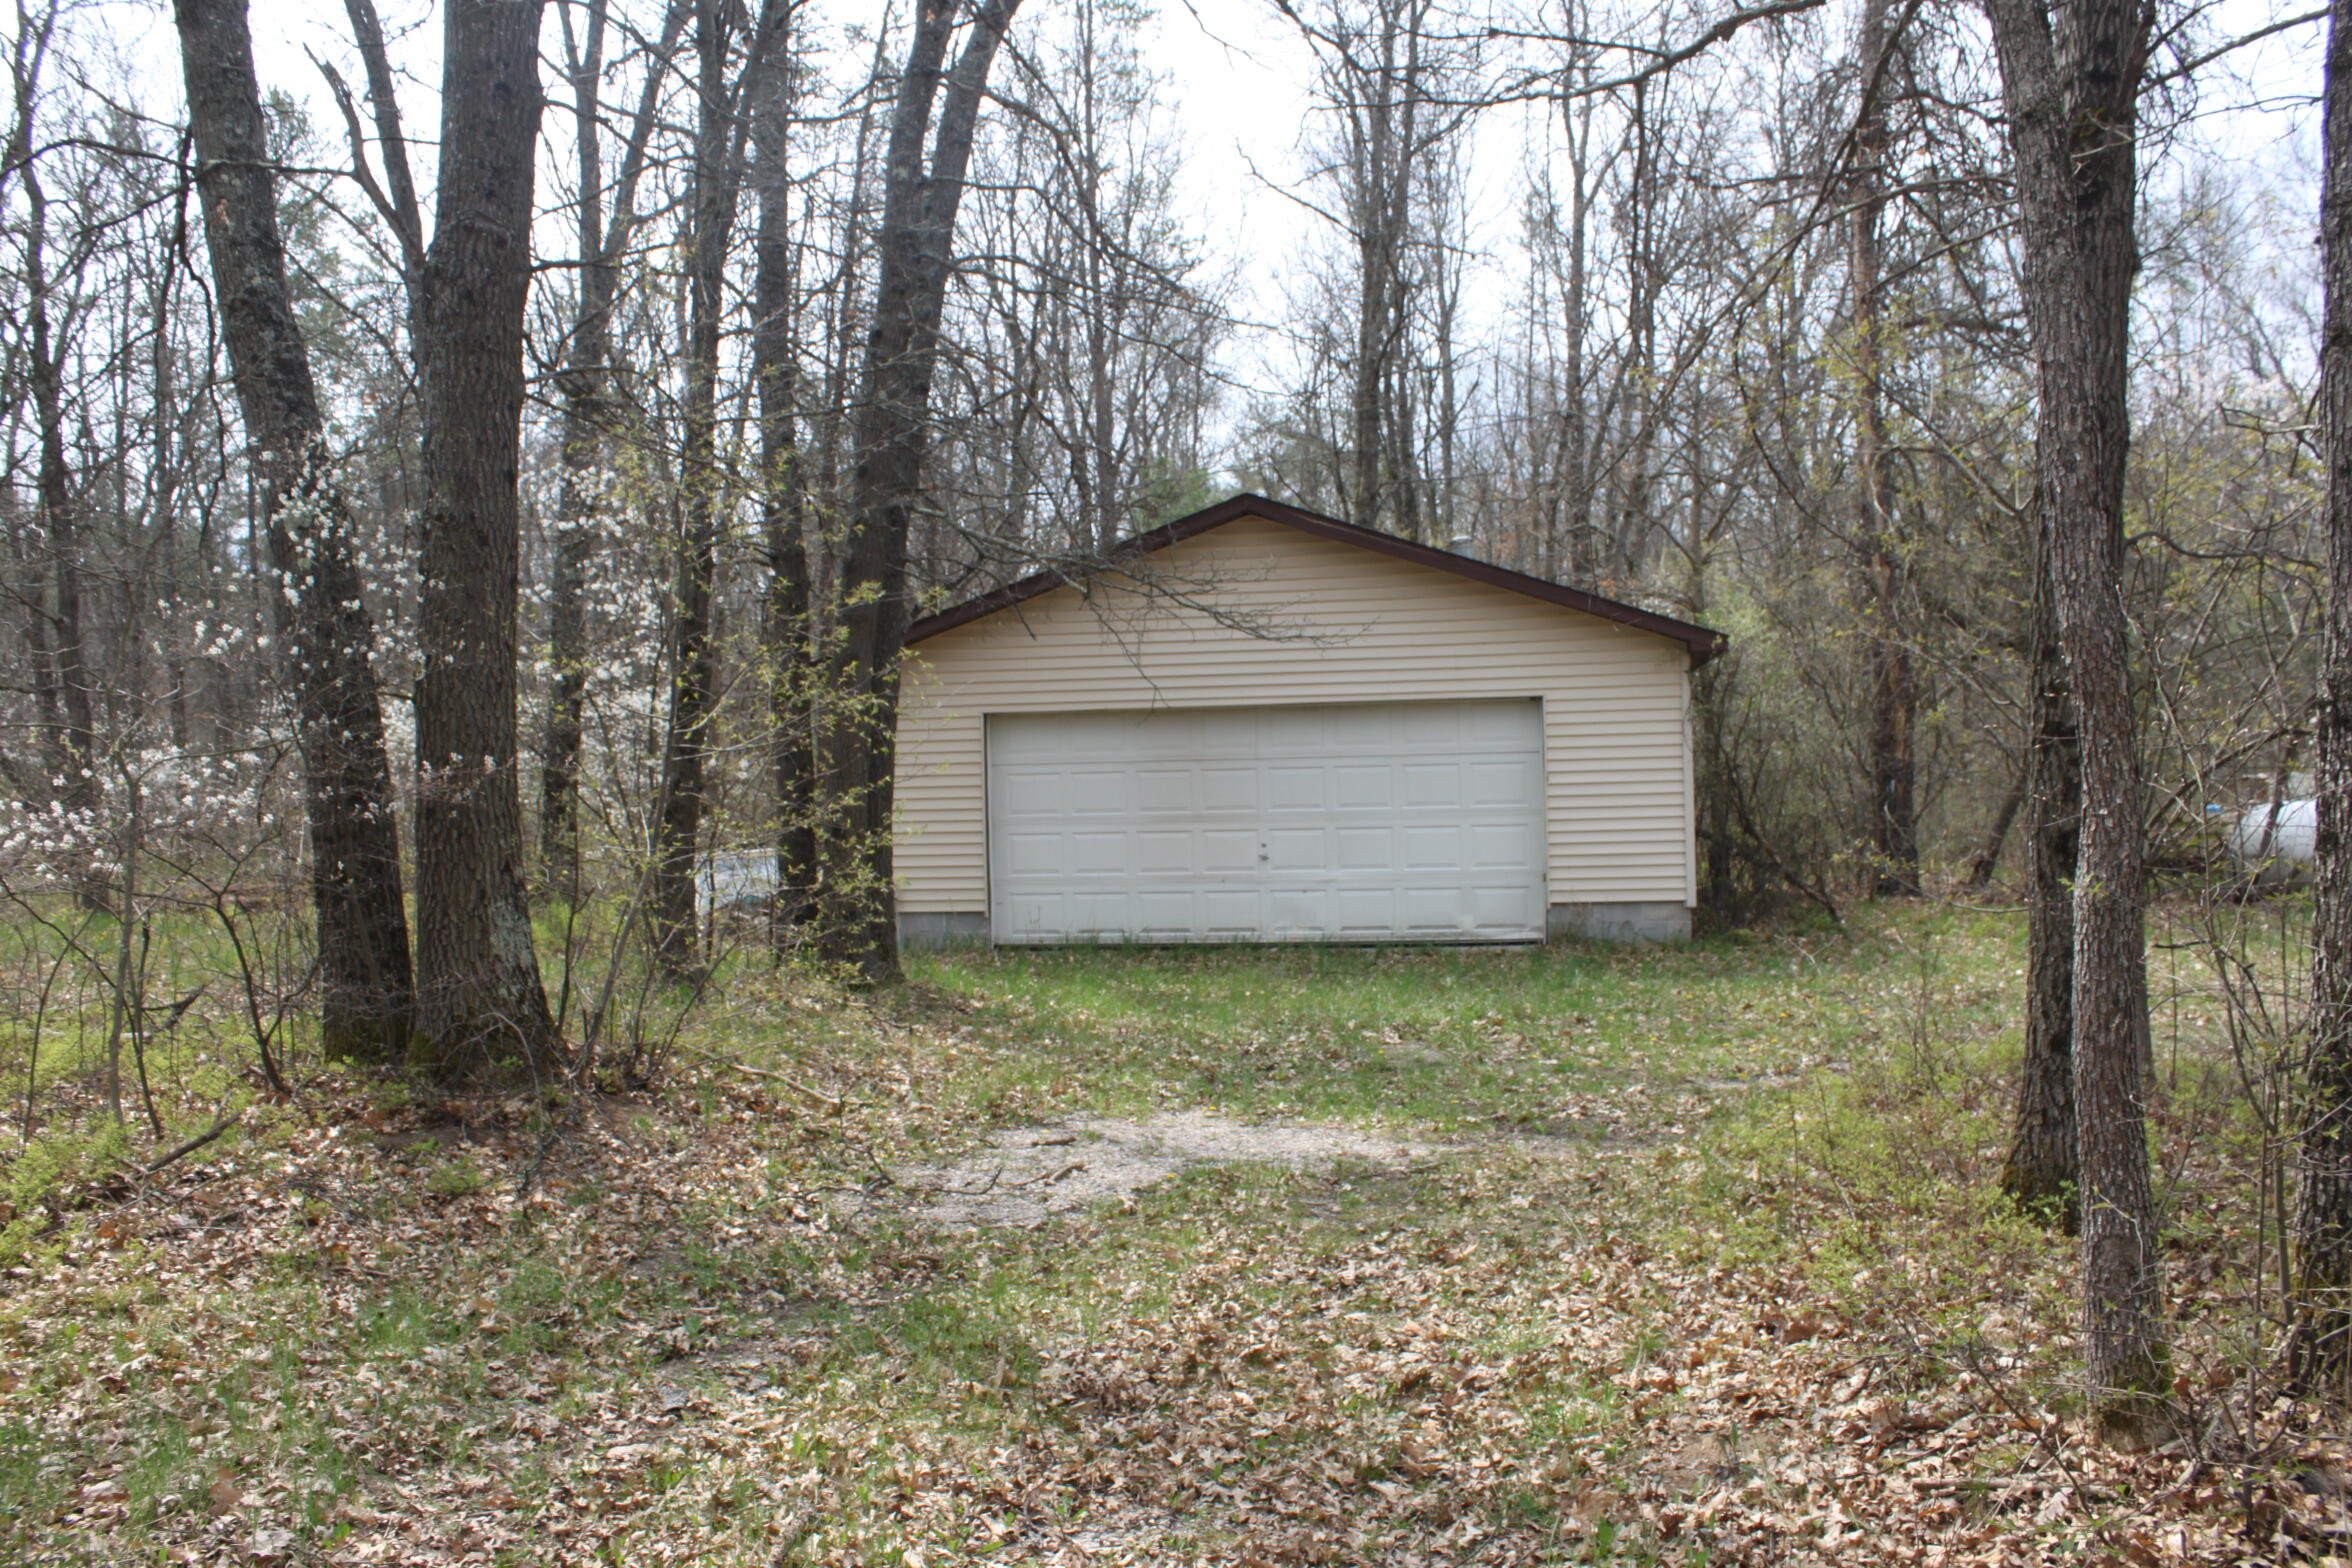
(1254, 614)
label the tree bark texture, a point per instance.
(787, 634)
(1894, 822)
(2322, 1259)
(2043, 1170)
(1379, 131)
(480, 1002)
(889, 439)
(367, 1006)
(693, 656)
(2071, 73)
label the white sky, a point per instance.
(1236, 78)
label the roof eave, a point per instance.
(1703, 643)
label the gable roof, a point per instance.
(1703, 642)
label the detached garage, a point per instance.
(1265, 725)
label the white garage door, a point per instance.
(1409, 821)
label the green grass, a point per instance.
(1451, 1038)
(1808, 1121)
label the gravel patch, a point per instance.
(1027, 1176)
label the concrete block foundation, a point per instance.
(1651, 922)
(930, 932)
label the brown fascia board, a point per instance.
(1702, 642)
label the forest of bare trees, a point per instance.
(468, 481)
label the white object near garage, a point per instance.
(1357, 822)
(2288, 831)
(1260, 724)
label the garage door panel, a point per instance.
(1497, 784)
(1491, 905)
(1028, 914)
(1364, 822)
(1229, 851)
(1029, 793)
(1431, 786)
(1369, 850)
(1294, 849)
(1165, 790)
(1291, 788)
(1365, 911)
(1231, 912)
(1095, 915)
(1099, 792)
(1092, 854)
(1486, 724)
(1165, 852)
(1437, 848)
(1493, 846)
(1297, 732)
(1430, 910)
(1229, 789)
(1298, 912)
(1165, 910)
(1025, 854)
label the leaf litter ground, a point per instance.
(1400, 1259)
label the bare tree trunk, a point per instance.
(892, 434)
(584, 386)
(580, 451)
(2044, 1166)
(2070, 74)
(1377, 241)
(32, 593)
(407, 219)
(694, 662)
(2322, 1273)
(63, 675)
(1575, 476)
(479, 996)
(367, 1004)
(787, 636)
(1638, 374)
(1988, 854)
(1894, 825)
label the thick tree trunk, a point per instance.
(2044, 1165)
(2070, 79)
(892, 434)
(2322, 1274)
(480, 1002)
(786, 633)
(367, 1006)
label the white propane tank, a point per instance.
(2293, 838)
